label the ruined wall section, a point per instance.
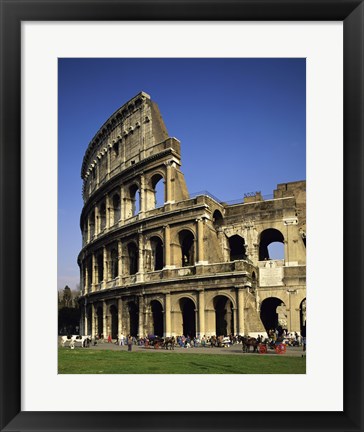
(129, 136)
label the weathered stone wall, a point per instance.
(181, 255)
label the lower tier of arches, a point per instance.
(202, 312)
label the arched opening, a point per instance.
(188, 317)
(217, 218)
(102, 216)
(186, 239)
(100, 322)
(100, 267)
(158, 189)
(157, 314)
(133, 258)
(273, 314)
(157, 253)
(224, 316)
(92, 225)
(133, 318)
(114, 321)
(114, 263)
(303, 317)
(116, 208)
(237, 248)
(134, 194)
(268, 237)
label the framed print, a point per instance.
(36, 39)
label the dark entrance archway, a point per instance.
(133, 258)
(224, 316)
(237, 248)
(133, 318)
(114, 321)
(303, 317)
(186, 239)
(157, 253)
(100, 321)
(268, 313)
(188, 317)
(157, 314)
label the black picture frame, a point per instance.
(12, 14)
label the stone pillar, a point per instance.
(85, 328)
(141, 253)
(241, 305)
(104, 319)
(120, 262)
(169, 197)
(141, 316)
(200, 243)
(167, 246)
(97, 220)
(93, 321)
(88, 230)
(235, 330)
(122, 204)
(120, 316)
(86, 287)
(143, 195)
(201, 313)
(108, 211)
(167, 315)
(94, 267)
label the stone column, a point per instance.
(108, 211)
(85, 329)
(235, 330)
(87, 288)
(120, 262)
(93, 321)
(241, 305)
(200, 245)
(141, 316)
(143, 197)
(88, 229)
(97, 220)
(167, 315)
(122, 204)
(169, 197)
(167, 246)
(82, 283)
(141, 253)
(201, 312)
(104, 319)
(120, 316)
(93, 285)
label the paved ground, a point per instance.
(233, 350)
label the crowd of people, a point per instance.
(274, 335)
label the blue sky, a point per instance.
(241, 123)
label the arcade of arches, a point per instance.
(157, 260)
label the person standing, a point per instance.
(130, 343)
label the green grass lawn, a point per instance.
(89, 361)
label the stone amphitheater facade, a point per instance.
(193, 265)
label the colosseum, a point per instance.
(192, 265)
